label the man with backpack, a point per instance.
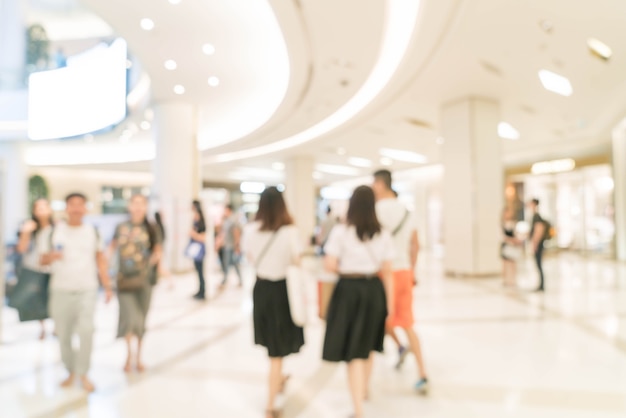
(394, 217)
(538, 233)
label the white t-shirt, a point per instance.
(40, 244)
(284, 248)
(390, 213)
(356, 256)
(77, 270)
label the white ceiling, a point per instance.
(486, 48)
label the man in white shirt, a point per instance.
(76, 259)
(399, 221)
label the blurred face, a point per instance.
(41, 210)
(532, 206)
(138, 208)
(227, 212)
(379, 188)
(76, 208)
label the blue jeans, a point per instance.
(229, 259)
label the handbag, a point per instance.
(30, 295)
(512, 252)
(195, 250)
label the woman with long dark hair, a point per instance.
(138, 245)
(197, 238)
(271, 244)
(34, 241)
(360, 252)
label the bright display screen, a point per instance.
(87, 95)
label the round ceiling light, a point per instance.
(208, 49)
(214, 81)
(146, 24)
(170, 65)
(179, 89)
(174, 2)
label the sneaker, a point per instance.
(402, 353)
(422, 385)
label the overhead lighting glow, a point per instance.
(599, 48)
(359, 162)
(341, 151)
(341, 170)
(146, 24)
(174, 2)
(555, 83)
(440, 140)
(400, 22)
(335, 193)
(317, 175)
(402, 155)
(179, 89)
(214, 81)
(280, 188)
(386, 161)
(506, 131)
(208, 49)
(170, 65)
(278, 166)
(252, 187)
(554, 166)
(145, 125)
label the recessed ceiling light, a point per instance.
(507, 131)
(174, 2)
(341, 151)
(281, 188)
(402, 155)
(146, 24)
(599, 49)
(440, 140)
(359, 162)
(170, 65)
(386, 161)
(179, 89)
(145, 125)
(214, 81)
(337, 169)
(252, 187)
(546, 25)
(555, 83)
(278, 166)
(208, 49)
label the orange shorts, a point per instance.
(403, 296)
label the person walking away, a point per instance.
(511, 248)
(271, 244)
(395, 217)
(231, 234)
(76, 259)
(537, 238)
(325, 227)
(161, 268)
(34, 241)
(361, 253)
(197, 237)
(138, 245)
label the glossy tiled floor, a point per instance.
(491, 352)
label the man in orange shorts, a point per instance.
(398, 220)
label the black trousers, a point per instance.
(199, 265)
(538, 260)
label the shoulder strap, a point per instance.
(267, 247)
(401, 224)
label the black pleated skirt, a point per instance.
(355, 323)
(273, 326)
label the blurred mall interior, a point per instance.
(474, 106)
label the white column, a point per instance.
(619, 178)
(300, 194)
(176, 176)
(2, 234)
(472, 187)
(12, 44)
(15, 185)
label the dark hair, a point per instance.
(384, 176)
(230, 207)
(535, 201)
(329, 209)
(75, 194)
(159, 223)
(197, 207)
(362, 213)
(34, 218)
(152, 234)
(272, 211)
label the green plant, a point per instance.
(37, 189)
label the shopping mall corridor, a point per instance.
(491, 352)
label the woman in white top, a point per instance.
(361, 253)
(271, 245)
(34, 240)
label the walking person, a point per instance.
(361, 252)
(161, 267)
(138, 246)
(537, 238)
(77, 260)
(396, 218)
(196, 249)
(230, 237)
(271, 245)
(511, 248)
(34, 241)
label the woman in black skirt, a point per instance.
(361, 253)
(271, 245)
